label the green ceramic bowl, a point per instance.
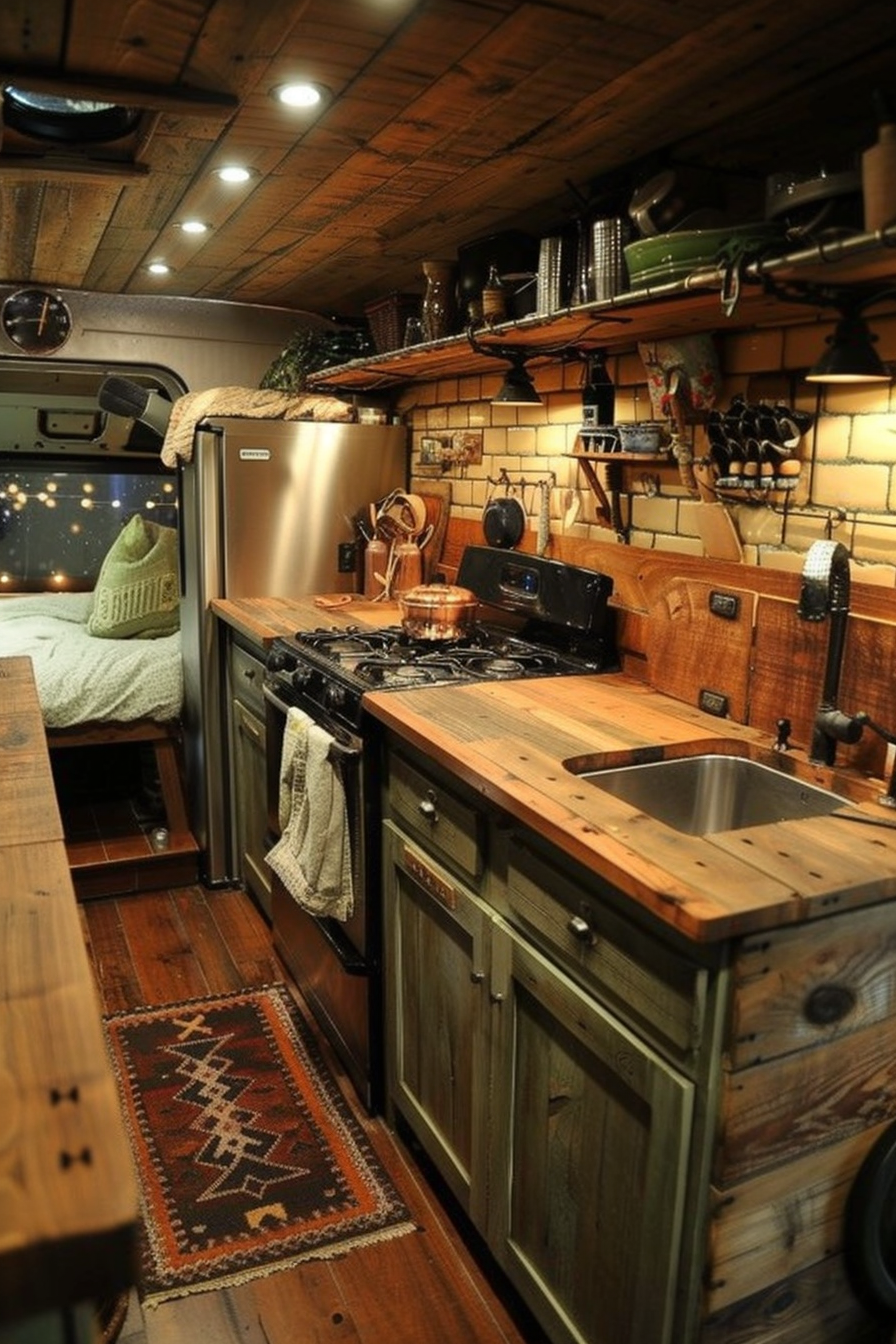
(672, 256)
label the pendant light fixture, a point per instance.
(518, 388)
(850, 356)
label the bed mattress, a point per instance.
(82, 679)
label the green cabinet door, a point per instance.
(589, 1151)
(436, 945)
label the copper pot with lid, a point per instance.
(438, 611)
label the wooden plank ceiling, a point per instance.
(450, 120)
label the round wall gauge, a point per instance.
(36, 320)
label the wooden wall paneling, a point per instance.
(816, 1306)
(782, 1222)
(691, 649)
(788, 674)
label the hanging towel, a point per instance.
(312, 858)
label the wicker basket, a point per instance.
(387, 318)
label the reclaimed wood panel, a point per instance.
(781, 1222)
(845, 962)
(781, 1110)
(816, 1306)
(692, 650)
(68, 1199)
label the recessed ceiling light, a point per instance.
(233, 172)
(194, 226)
(301, 94)
(158, 268)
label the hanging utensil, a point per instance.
(543, 535)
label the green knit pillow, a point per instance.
(137, 593)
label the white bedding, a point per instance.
(83, 679)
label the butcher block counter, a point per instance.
(522, 745)
(511, 741)
(68, 1197)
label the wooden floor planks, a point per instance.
(428, 1288)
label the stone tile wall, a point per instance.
(847, 485)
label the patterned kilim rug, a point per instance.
(249, 1159)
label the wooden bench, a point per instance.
(68, 1196)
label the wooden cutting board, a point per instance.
(699, 639)
(436, 495)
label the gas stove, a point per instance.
(563, 628)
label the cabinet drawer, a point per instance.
(445, 824)
(656, 989)
(246, 676)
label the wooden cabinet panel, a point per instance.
(782, 1222)
(643, 980)
(816, 1306)
(591, 1136)
(436, 946)
(800, 987)
(776, 1112)
(436, 815)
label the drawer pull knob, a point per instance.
(496, 998)
(477, 977)
(581, 930)
(428, 807)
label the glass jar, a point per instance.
(494, 298)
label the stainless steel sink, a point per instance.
(699, 795)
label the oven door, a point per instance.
(334, 963)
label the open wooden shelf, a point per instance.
(661, 312)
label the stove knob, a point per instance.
(300, 677)
(281, 660)
(334, 697)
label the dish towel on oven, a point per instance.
(313, 857)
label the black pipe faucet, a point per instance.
(825, 592)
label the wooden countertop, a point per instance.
(263, 619)
(508, 740)
(68, 1198)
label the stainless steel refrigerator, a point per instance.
(268, 510)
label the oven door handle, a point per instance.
(338, 753)
(274, 699)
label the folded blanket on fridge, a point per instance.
(312, 858)
(245, 402)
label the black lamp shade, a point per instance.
(850, 356)
(517, 388)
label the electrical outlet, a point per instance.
(726, 605)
